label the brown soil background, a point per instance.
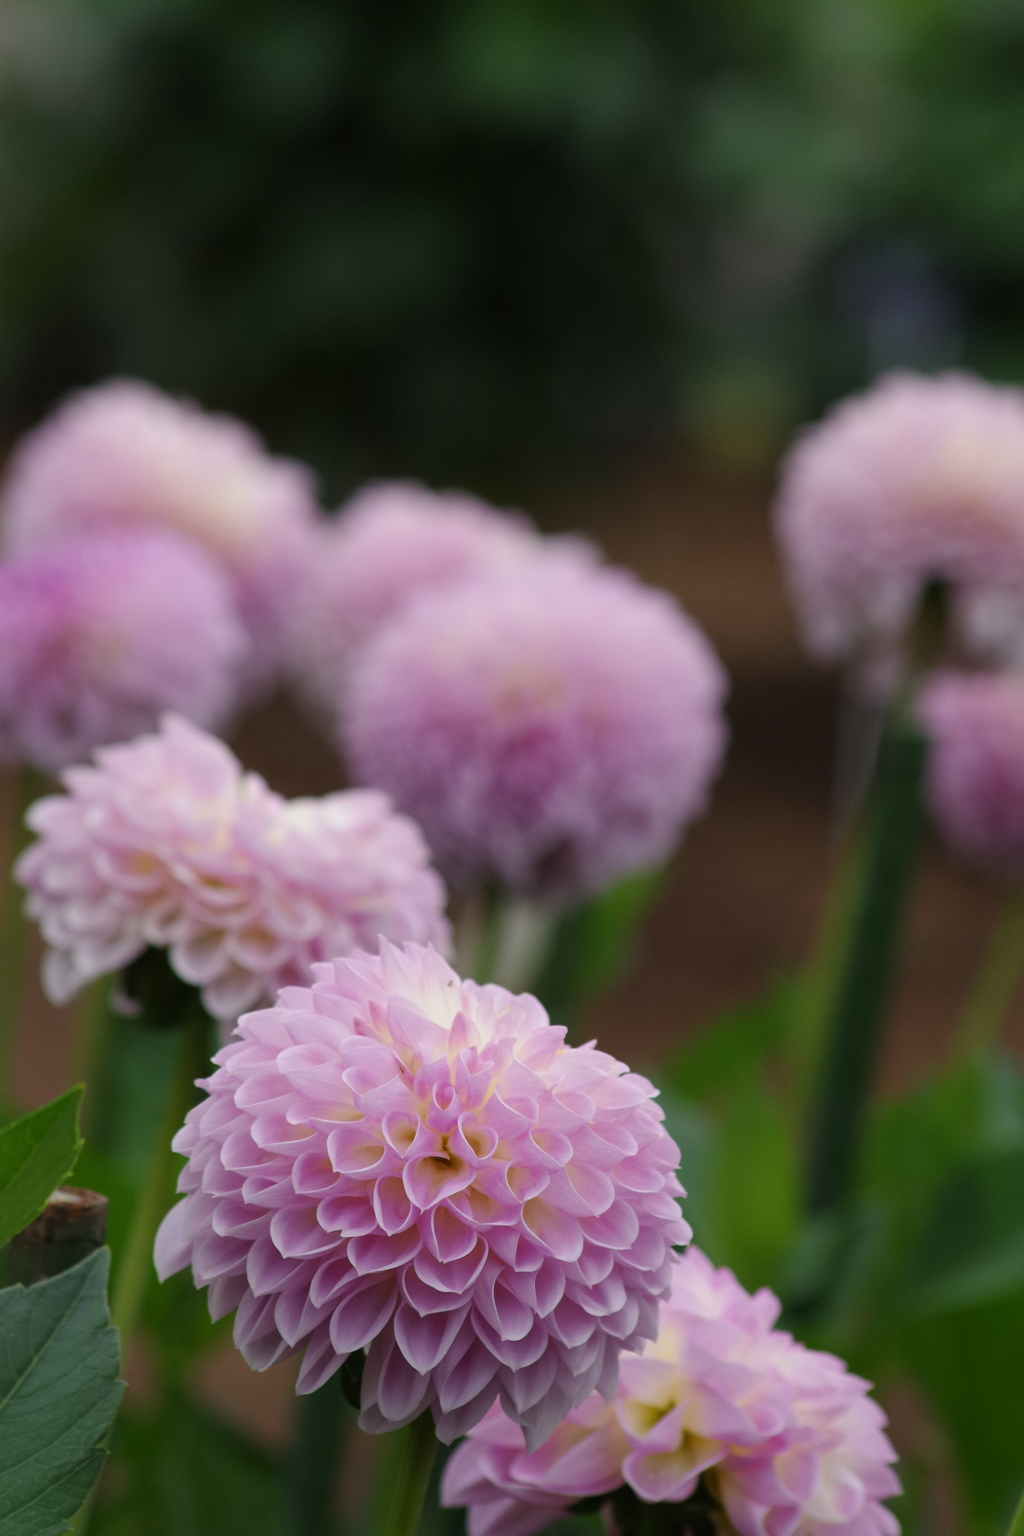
(742, 901)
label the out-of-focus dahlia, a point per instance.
(918, 479)
(975, 775)
(166, 842)
(99, 636)
(783, 1437)
(397, 1160)
(551, 729)
(391, 542)
(125, 454)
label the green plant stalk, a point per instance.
(14, 927)
(418, 1453)
(996, 983)
(136, 1264)
(321, 1420)
(891, 835)
(1017, 1523)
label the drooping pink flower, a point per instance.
(167, 842)
(390, 543)
(975, 774)
(915, 480)
(398, 1160)
(126, 455)
(100, 636)
(783, 1437)
(551, 729)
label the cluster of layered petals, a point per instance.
(550, 729)
(919, 479)
(784, 1437)
(167, 842)
(975, 775)
(100, 636)
(126, 455)
(399, 1161)
(391, 542)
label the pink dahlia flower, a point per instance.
(397, 1160)
(918, 479)
(552, 729)
(125, 455)
(99, 636)
(167, 842)
(390, 543)
(975, 776)
(783, 1437)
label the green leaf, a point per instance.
(972, 1248)
(594, 944)
(730, 1044)
(37, 1153)
(59, 1391)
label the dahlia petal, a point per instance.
(424, 1340)
(360, 1316)
(171, 1252)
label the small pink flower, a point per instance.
(100, 636)
(390, 543)
(125, 455)
(975, 776)
(397, 1160)
(917, 479)
(784, 1437)
(551, 729)
(167, 842)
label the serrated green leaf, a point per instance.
(37, 1153)
(59, 1391)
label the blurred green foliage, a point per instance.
(435, 238)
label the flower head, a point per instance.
(167, 842)
(552, 729)
(975, 775)
(783, 1437)
(391, 542)
(398, 1160)
(99, 636)
(125, 455)
(918, 479)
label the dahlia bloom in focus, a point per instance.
(551, 729)
(916, 480)
(99, 636)
(126, 455)
(397, 1160)
(391, 542)
(975, 774)
(167, 842)
(784, 1437)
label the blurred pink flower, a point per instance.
(99, 636)
(167, 842)
(975, 775)
(552, 729)
(917, 479)
(126, 455)
(400, 1160)
(784, 1437)
(391, 542)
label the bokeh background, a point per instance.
(594, 258)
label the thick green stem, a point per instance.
(14, 927)
(891, 836)
(154, 1198)
(313, 1463)
(996, 983)
(414, 1470)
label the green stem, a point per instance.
(891, 836)
(995, 984)
(1017, 1523)
(155, 1196)
(414, 1470)
(315, 1455)
(14, 928)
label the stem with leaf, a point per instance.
(996, 983)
